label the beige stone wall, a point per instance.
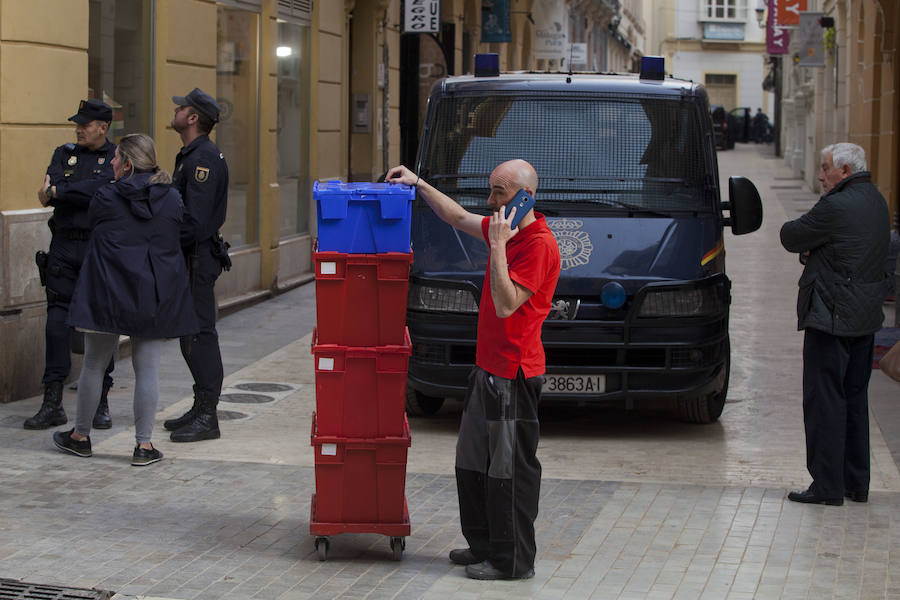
(861, 104)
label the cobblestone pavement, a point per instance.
(631, 506)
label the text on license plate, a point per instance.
(574, 384)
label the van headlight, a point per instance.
(441, 299)
(681, 302)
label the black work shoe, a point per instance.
(102, 419)
(204, 426)
(63, 440)
(858, 496)
(51, 412)
(463, 556)
(486, 571)
(143, 457)
(810, 497)
(176, 424)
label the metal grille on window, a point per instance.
(623, 151)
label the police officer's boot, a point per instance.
(204, 425)
(102, 419)
(51, 412)
(176, 424)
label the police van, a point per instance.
(629, 184)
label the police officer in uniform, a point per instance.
(201, 176)
(76, 171)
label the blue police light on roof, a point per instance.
(613, 295)
(653, 67)
(487, 65)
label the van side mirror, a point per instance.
(744, 206)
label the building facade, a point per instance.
(310, 90)
(852, 97)
(718, 43)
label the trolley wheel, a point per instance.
(322, 545)
(398, 545)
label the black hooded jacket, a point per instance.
(134, 278)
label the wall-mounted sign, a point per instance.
(551, 21)
(809, 38)
(495, 21)
(723, 31)
(788, 12)
(422, 16)
(578, 54)
(777, 37)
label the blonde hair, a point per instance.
(140, 150)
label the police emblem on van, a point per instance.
(575, 246)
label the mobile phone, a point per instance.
(523, 203)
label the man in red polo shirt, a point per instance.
(498, 475)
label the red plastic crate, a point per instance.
(361, 298)
(361, 391)
(360, 480)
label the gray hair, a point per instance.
(141, 151)
(845, 153)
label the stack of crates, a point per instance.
(361, 350)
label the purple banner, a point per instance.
(778, 38)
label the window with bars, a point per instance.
(723, 10)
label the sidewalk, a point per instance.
(631, 507)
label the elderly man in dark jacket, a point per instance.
(843, 240)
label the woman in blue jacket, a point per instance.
(133, 282)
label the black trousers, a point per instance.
(498, 475)
(63, 265)
(201, 351)
(836, 373)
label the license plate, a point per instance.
(574, 384)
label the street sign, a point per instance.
(422, 16)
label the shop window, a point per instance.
(293, 128)
(237, 134)
(119, 62)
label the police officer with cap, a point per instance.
(201, 176)
(76, 171)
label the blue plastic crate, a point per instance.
(363, 218)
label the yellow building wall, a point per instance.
(330, 89)
(34, 109)
(269, 197)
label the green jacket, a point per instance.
(847, 234)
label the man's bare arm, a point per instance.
(443, 206)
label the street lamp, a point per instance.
(761, 13)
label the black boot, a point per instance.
(102, 419)
(176, 424)
(205, 423)
(51, 412)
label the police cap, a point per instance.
(92, 110)
(200, 100)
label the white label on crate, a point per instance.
(329, 449)
(328, 268)
(326, 364)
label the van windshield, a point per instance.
(611, 152)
